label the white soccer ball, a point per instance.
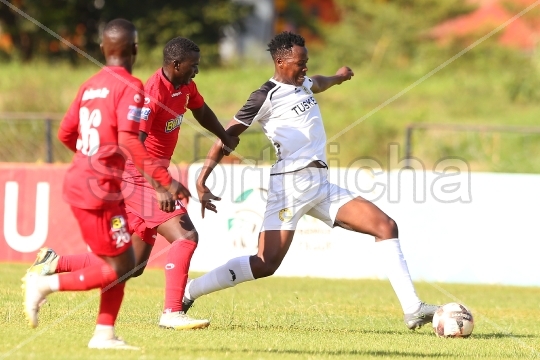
(453, 320)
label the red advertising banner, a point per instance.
(34, 215)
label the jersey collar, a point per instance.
(167, 83)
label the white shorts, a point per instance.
(304, 192)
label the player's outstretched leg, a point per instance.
(363, 216)
(45, 263)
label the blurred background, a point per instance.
(481, 107)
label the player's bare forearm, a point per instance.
(322, 83)
(206, 117)
(216, 153)
(213, 158)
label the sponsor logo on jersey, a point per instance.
(304, 105)
(134, 113)
(90, 94)
(145, 113)
(146, 100)
(173, 123)
(176, 94)
(285, 214)
(297, 90)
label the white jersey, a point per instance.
(291, 119)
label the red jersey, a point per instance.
(163, 111)
(109, 102)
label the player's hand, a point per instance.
(230, 144)
(345, 73)
(166, 200)
(206, 197)
(179, 191)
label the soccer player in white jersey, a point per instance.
(289, 115)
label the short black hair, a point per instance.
(119, 25)
(178, 49)
(282, 44)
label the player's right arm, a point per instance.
(68, 133)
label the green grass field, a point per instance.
(276, 318)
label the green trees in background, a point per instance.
(384, 32)
(79, 22)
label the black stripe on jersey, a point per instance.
(273, 92)
(253, 105)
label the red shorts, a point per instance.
(138, 226)
(104, 230)
(144, 215)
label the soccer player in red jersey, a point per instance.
(170, 91)
(101, 127)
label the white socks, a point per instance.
(234, 272)
(394, 263)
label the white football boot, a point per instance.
(33, 298)
(180, 321)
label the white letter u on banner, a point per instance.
(34, 241)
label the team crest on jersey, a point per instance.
(285, 214)
(172, 124)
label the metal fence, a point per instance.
(31, 137)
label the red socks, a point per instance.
(69, 263)
(176, 273)
(98, 275)
(109, 305)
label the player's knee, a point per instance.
(387, 229)
(193, 235)
(124, 270)
(138, 271)
(263, 267)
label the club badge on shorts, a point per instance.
(285, 214)
(119, 232)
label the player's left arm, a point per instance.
(206, 117)
(322, 83)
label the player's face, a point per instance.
(187, 69)
(295, 67)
